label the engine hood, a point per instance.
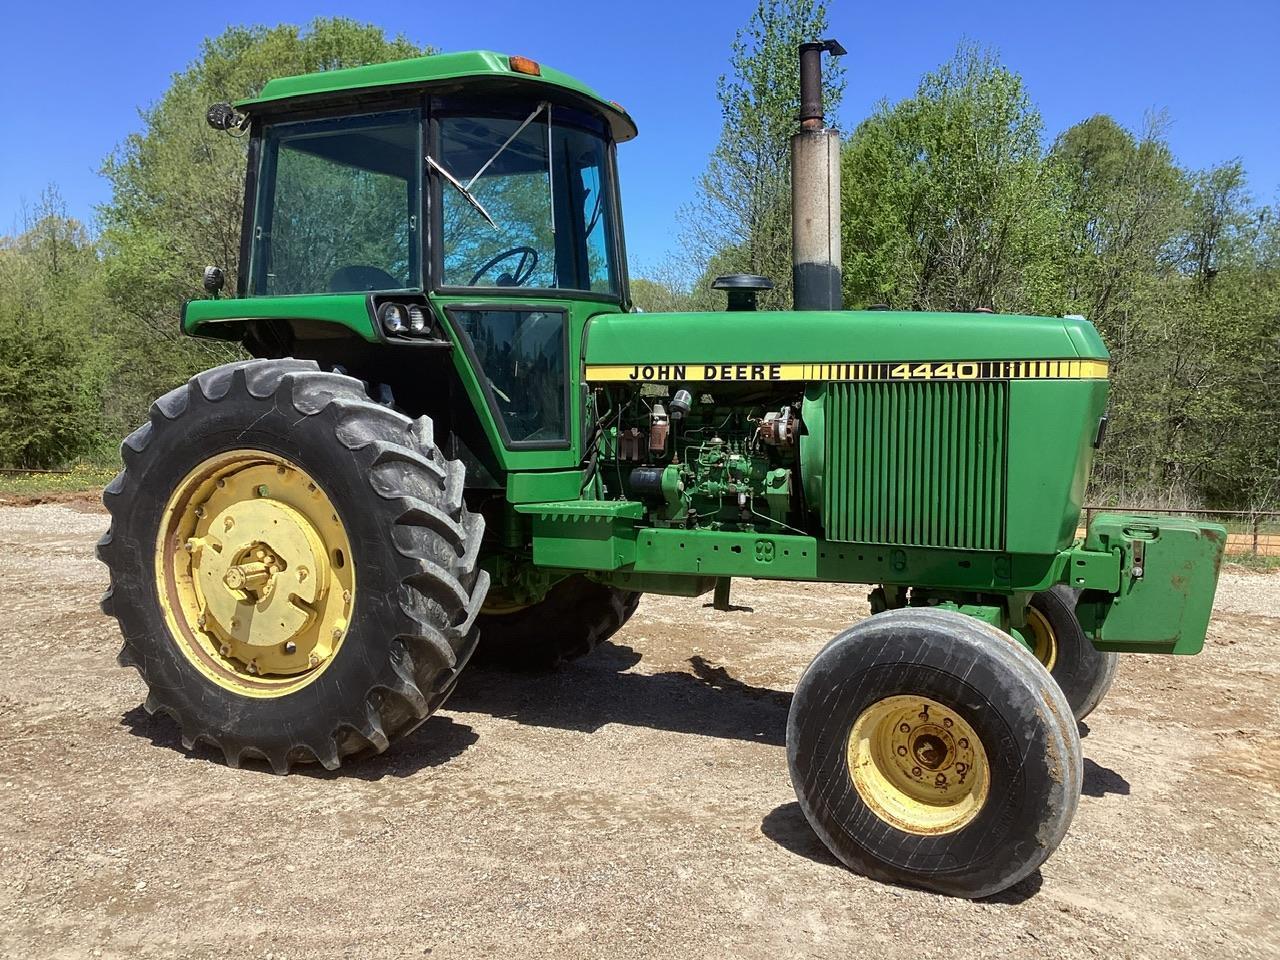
(837, 345)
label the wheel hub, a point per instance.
(260, 592)
(918, 765)
(1044, 641)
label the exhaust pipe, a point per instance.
(815, 191)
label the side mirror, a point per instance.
(214, 280)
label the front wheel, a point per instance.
(292, 566)
(1083, 672)
(927, 750)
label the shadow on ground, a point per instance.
(590, 693)
(437, 741)
(787, 827)
(1100, 781)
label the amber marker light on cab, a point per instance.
(525, 65)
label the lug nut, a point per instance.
(313, 660)
(262, 490)
(199, 512)
(290, 647)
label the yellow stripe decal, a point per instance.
(879, 371)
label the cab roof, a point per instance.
(438, 69)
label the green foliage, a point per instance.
(177, 185)
(946, 200)
(52, 309)
(659, 296)
(741, 221)
(89, 331)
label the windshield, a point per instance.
(525, 202)
(338, 206)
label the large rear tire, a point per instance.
(928, 750)
(292, 567)
(575, 617)
(1083, 672)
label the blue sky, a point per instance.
(75, 74)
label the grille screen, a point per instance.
(916, 463)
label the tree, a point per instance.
(177, 186)
(1126, 208)
(948, 203)
(53, 321)
(741, 219)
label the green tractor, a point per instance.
(458, 438)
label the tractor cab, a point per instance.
(462, 204)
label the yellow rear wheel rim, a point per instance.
(1044, 642)
(918, 765)
(254, 573)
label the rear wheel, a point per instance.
(292, 567)
(928, 750)
(575, 617)
(1083, 672)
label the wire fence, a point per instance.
(1249, 532)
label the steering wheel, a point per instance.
(527, 263)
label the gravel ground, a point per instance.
(633, 805)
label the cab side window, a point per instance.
(522, 355)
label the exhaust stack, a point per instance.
(815, 191)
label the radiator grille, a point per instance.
(917, 463)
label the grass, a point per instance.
(1250, 562)
(82, 478)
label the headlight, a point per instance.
(417, 319)
(394, 317)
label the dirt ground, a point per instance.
(635, 804)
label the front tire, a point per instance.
(927, 750)
(1081, 670)
(292, 567)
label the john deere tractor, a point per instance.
(458, 437)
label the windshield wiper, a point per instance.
(470, 198)
(465, 188)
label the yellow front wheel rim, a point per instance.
(918, 765)
(1044, 642)
(254, 573)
